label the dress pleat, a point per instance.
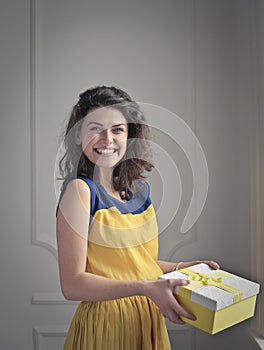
(133, 323)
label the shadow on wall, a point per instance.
(235, 338)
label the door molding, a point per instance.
(35, 239)
(48, 332)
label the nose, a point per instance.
(107, 137)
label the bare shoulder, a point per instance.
(77, 190)
(75, 199)
(78, 184)
(74, 209)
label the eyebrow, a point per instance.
(121, 124)
(94, 123)
(113, 126)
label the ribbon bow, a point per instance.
(204, 279)
(200, 279)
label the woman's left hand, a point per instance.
(170, 266)
(214, 265)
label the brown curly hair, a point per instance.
(137, 159)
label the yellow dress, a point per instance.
(122, 245)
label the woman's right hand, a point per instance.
(161, 292)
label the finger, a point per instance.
(180, 282)
(180, 321)
(182, 312)
(179, 310)
(175, 318)
(213, 264)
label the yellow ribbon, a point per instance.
(200, 279)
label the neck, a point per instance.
(105, 177)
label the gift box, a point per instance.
(217, 298)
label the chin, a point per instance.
(106, 163)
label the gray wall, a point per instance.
(193, 58)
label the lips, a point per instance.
(106, 151)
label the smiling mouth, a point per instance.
(105, 150)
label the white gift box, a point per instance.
(217, 298)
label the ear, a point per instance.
(78, 139)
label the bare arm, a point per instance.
(77, 284)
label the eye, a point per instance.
(96, 129)
(118, 130)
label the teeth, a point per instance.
(106, 150)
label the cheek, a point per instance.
(88, 140)
(122, 141)
(123, 145)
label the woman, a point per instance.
(107, 232)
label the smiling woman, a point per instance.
(103, 136)
(104, 117)
(107, 231)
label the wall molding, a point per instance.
(190, 104)
(35, 240)
(190, 117)
(257, 341)
(257, 159)
(40, 332)
(51, 299)
(189, 110)
(185, 331)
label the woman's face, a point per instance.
(103, 136)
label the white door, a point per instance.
(185, 56)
